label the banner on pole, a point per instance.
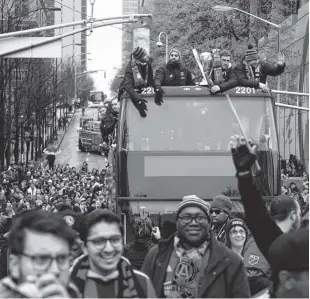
(141, 38)
(51, 50)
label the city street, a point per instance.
(70, 153)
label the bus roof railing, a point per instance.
(159, 199)
(197, 90)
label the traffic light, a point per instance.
(105, 74)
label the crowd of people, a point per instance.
(60, 238)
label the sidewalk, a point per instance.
(60, 136)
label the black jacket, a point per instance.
(230, 80)
(128, 83)
(107, 125)
(173, 76)
(261, 225)
(265, 70)
(224, 276)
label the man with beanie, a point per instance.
(289, 259)
(220, 211)
(172, 74)
(253, 72)
(222, 73)
(138, 75)
(192, 263)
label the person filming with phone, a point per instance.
(146, 237)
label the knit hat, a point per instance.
(290, 251)
(234, 222)
(175, 50)
(194, 201)
(251, 54)
(138, 53)
(222, 203)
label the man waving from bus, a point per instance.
(253, 72)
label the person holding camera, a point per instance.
(145, 238)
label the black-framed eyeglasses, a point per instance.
(189, 218)
(101, 242)
(42, 262)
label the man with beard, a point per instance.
(220, 211)
(138, 75)
(192, 263)
(172, 74)
(266, 227)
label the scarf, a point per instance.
(185, 271)
(127, 285)
(253, 76)
(136, 72)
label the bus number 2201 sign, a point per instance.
(245, 90)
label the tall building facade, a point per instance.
(129, 7)
(75, 46)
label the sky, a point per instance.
(105, 44)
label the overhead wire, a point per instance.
(75, 10)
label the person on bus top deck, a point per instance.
(222, 73)
(253, 72)
(138, 75)
(172, 74)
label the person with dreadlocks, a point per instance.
(138, 75)
(252, 72)
(144, 241)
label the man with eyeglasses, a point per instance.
(39, 245)
(192, 263)
(103, 272)
(220, 211)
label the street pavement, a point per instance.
(70, 153)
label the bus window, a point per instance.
(198, 124)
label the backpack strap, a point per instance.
(141, 292)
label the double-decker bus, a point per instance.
(182, 148)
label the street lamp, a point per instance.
(159, 43)
(92, 19)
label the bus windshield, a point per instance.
(199, 124)
(181, 147)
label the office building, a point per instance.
(74, 46)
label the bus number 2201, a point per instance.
(245, 90)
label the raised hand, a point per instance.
(243, 157)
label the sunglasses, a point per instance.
(215, 211)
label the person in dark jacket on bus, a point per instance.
(138, 75)
(227, 77)
(192, 263)
(252, 72)
(172, 74)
